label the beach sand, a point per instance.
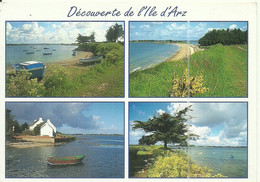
(184, 51)
(74, 60)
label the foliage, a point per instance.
(18, 83)
(85, 39)
(165, 128)
(37, 129)
(225, 37)
(114, 33)
(171, 164)
(57, 82)
(11, 122)
(187, 86)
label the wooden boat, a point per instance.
(47, 53)
(58, 161)
(36, 68)
(29, 52)
(91, 60)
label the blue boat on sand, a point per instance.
(36, 68)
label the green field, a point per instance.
(224, 71)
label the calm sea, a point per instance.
(19, 53)
(144, 55)
(104, 159)
(217, 158)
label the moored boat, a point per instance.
(29, 52)
(70, 160)
(36, 68)
(47, 53)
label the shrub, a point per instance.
(57, 82)
(187, 86)
(178, 165)
(19, 84)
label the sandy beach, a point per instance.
(184, 51)
(74, 60)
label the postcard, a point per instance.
(129, 90)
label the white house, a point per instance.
(35, 123)
(47, 128)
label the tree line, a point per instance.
(225, 37)
(112, 35)
(12, 125)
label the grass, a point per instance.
(224, 70)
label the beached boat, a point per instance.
(91, 60)
(36, 68)
(58, 161)
(29, 52)
(47, 53)
(74, 53)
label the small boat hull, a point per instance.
(60, 161)
(36, 68)
(91, 60)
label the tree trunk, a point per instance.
(165, 145)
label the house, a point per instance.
(35, 123)
(46, 127)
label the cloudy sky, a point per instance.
(217, 124)
(178, 30)
(54, 32)
(69, 118)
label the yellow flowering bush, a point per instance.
(187, 86)
(178, 165)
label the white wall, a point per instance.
(46, 130)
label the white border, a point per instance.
(200, 10)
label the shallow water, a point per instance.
(144, 55)
(104, 159)
(17, 53)
(217, 158)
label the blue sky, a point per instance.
(90, 118)
(217, 124)
(178, 30)
(54, 32)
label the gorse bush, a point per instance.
(187, 85)
(171, 164)
(18, 83)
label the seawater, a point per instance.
(217, 158)
(104, 159)
(17, 53)
(145, 55)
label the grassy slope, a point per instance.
(90, 81)
(224, 69)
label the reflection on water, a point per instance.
(104, 158)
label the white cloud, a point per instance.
(233, 26)
(160, 111)
(65, 32)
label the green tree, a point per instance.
(86, 39)
(114, 33)
(11, 124)
(166, 128)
